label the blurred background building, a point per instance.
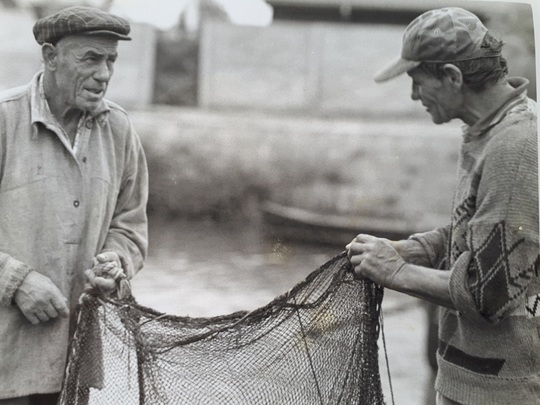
(272, 102)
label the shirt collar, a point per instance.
(493, 117)
(40, 111)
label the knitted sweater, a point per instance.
(489, 347)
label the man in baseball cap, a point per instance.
(446, 35)
(482, 268)
(73, 195)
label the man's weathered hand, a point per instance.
(375, 258)
(105, 274)
(39, 299)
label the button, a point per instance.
(76, 203)
(88, 124)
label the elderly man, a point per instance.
(482, 269)
(73, 192)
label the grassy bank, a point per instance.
(222, 163)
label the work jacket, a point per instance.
(61, 205)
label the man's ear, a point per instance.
(49, 54)
(453, 75)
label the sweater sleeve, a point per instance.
(128, 231)
(490, 278)
(434, 244)
(12, 274)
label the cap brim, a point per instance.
(107, 33)
(395, 68)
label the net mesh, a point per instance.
(316, 344)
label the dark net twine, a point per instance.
(316, 344)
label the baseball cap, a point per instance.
(79, 20)
(448, 34)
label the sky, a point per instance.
(164, 14)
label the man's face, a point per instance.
(437, 96)
(84, 68)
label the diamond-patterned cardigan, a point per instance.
(489, 348)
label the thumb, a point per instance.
(109, 256)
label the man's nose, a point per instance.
(103, 72)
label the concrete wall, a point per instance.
(327, 68)
(133, 81)
(19, 51)
(300, 67)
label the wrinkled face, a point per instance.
(438, 96)
(83, 70)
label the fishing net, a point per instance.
(316, 344)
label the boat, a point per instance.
(301, 225)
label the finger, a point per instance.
(50, 311)
(90, 276)
(105, 284)
(363, 238)
(357, 248)
(103, 268)
(358, 273)
(107, 257)
(60, 306)
(349, 244)
(42, 316)
(108, 266)
(31, 317)
(116, 273)
(356, 260)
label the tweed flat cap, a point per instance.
(80, 20)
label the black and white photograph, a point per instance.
(269, 202)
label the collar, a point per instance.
(493, 117)
(41, 113)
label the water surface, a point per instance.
(203, 268)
